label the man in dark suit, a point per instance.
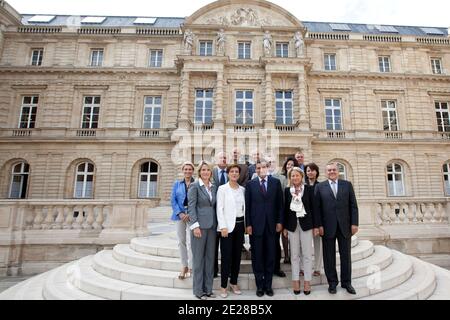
(263, 216)
(336, 217)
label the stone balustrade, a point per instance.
(412, 211)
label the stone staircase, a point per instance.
(147, 268)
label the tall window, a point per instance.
(203, 106)
(156, 58)
(436, 65)
(19, 181)
(330, 61)
(244, 50)
(446, 170)
(152, 112)
(84, 181)
(28, 112)
(148, 180)
(443, 116)
(91, 111)
(390, 122)
(342, 171)
(284, 108)
(282, 50)
(385, 64)
(96, 58)
(36, 57)
(333, 114)
(206, 48)
(244, 107)
(395, 177)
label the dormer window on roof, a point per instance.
(144, 21)
(93, 20)
(432, 31)
(41, 19)
(387, 29)
(340, 27)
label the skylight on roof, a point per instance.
(433, 31)
(96, 20)
(144, 21)
(340, 27)
(42, 19)
(387, 29)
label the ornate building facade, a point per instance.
(93, 110)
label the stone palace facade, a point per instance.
(97, 113)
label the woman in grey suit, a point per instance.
(203, 223)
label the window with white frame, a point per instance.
(84, 181)
(156, 58)
(384, 63)
(436, 65)
(19, 181)
(206, 48)
(342, 169)
(152, 112)
(91, 112)
(395, 177)
(282, 50)
(28, 112)
(244, 107)
(244, 50)
(204, 106)
(284, 107)
(446, 170)
(333, 114)
(148, 180)
(443, 116)
(330, 61)
(36, 56)
(96, 57)
(390, 121)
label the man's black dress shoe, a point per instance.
(280, 274)
(332, 290)
(269, 292)
(260, 293)
(297, 292)
(349, 289)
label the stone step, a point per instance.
(105, 263)
(419, 287)
(166, 245)
(98, 284)
(57, 287)
(442, 290)
(125, 254)
(30, 289)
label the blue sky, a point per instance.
(397, 12)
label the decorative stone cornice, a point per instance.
(91, 87)
(438, 93)
(334, 89)
(79, 70)
(389, 91)
(380, 75)
(158, 88)
(35, 87)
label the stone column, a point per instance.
(269, 120)
(219, 122)
(1, 40)
(184, 101)
(303, 113)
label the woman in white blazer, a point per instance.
(230, 217)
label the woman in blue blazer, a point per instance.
(181, 217)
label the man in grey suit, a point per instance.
(336, 217)
(203, 223)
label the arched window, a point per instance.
(19, 181)
(148, 180)
(84, 181)
(342, 171)
(396, 180)
(446, 170)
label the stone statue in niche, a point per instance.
(188, 41)
(299, 44)
(221, 40)
(267, 42)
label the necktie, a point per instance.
(222, 178)
(333, 187)
(263, 186)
